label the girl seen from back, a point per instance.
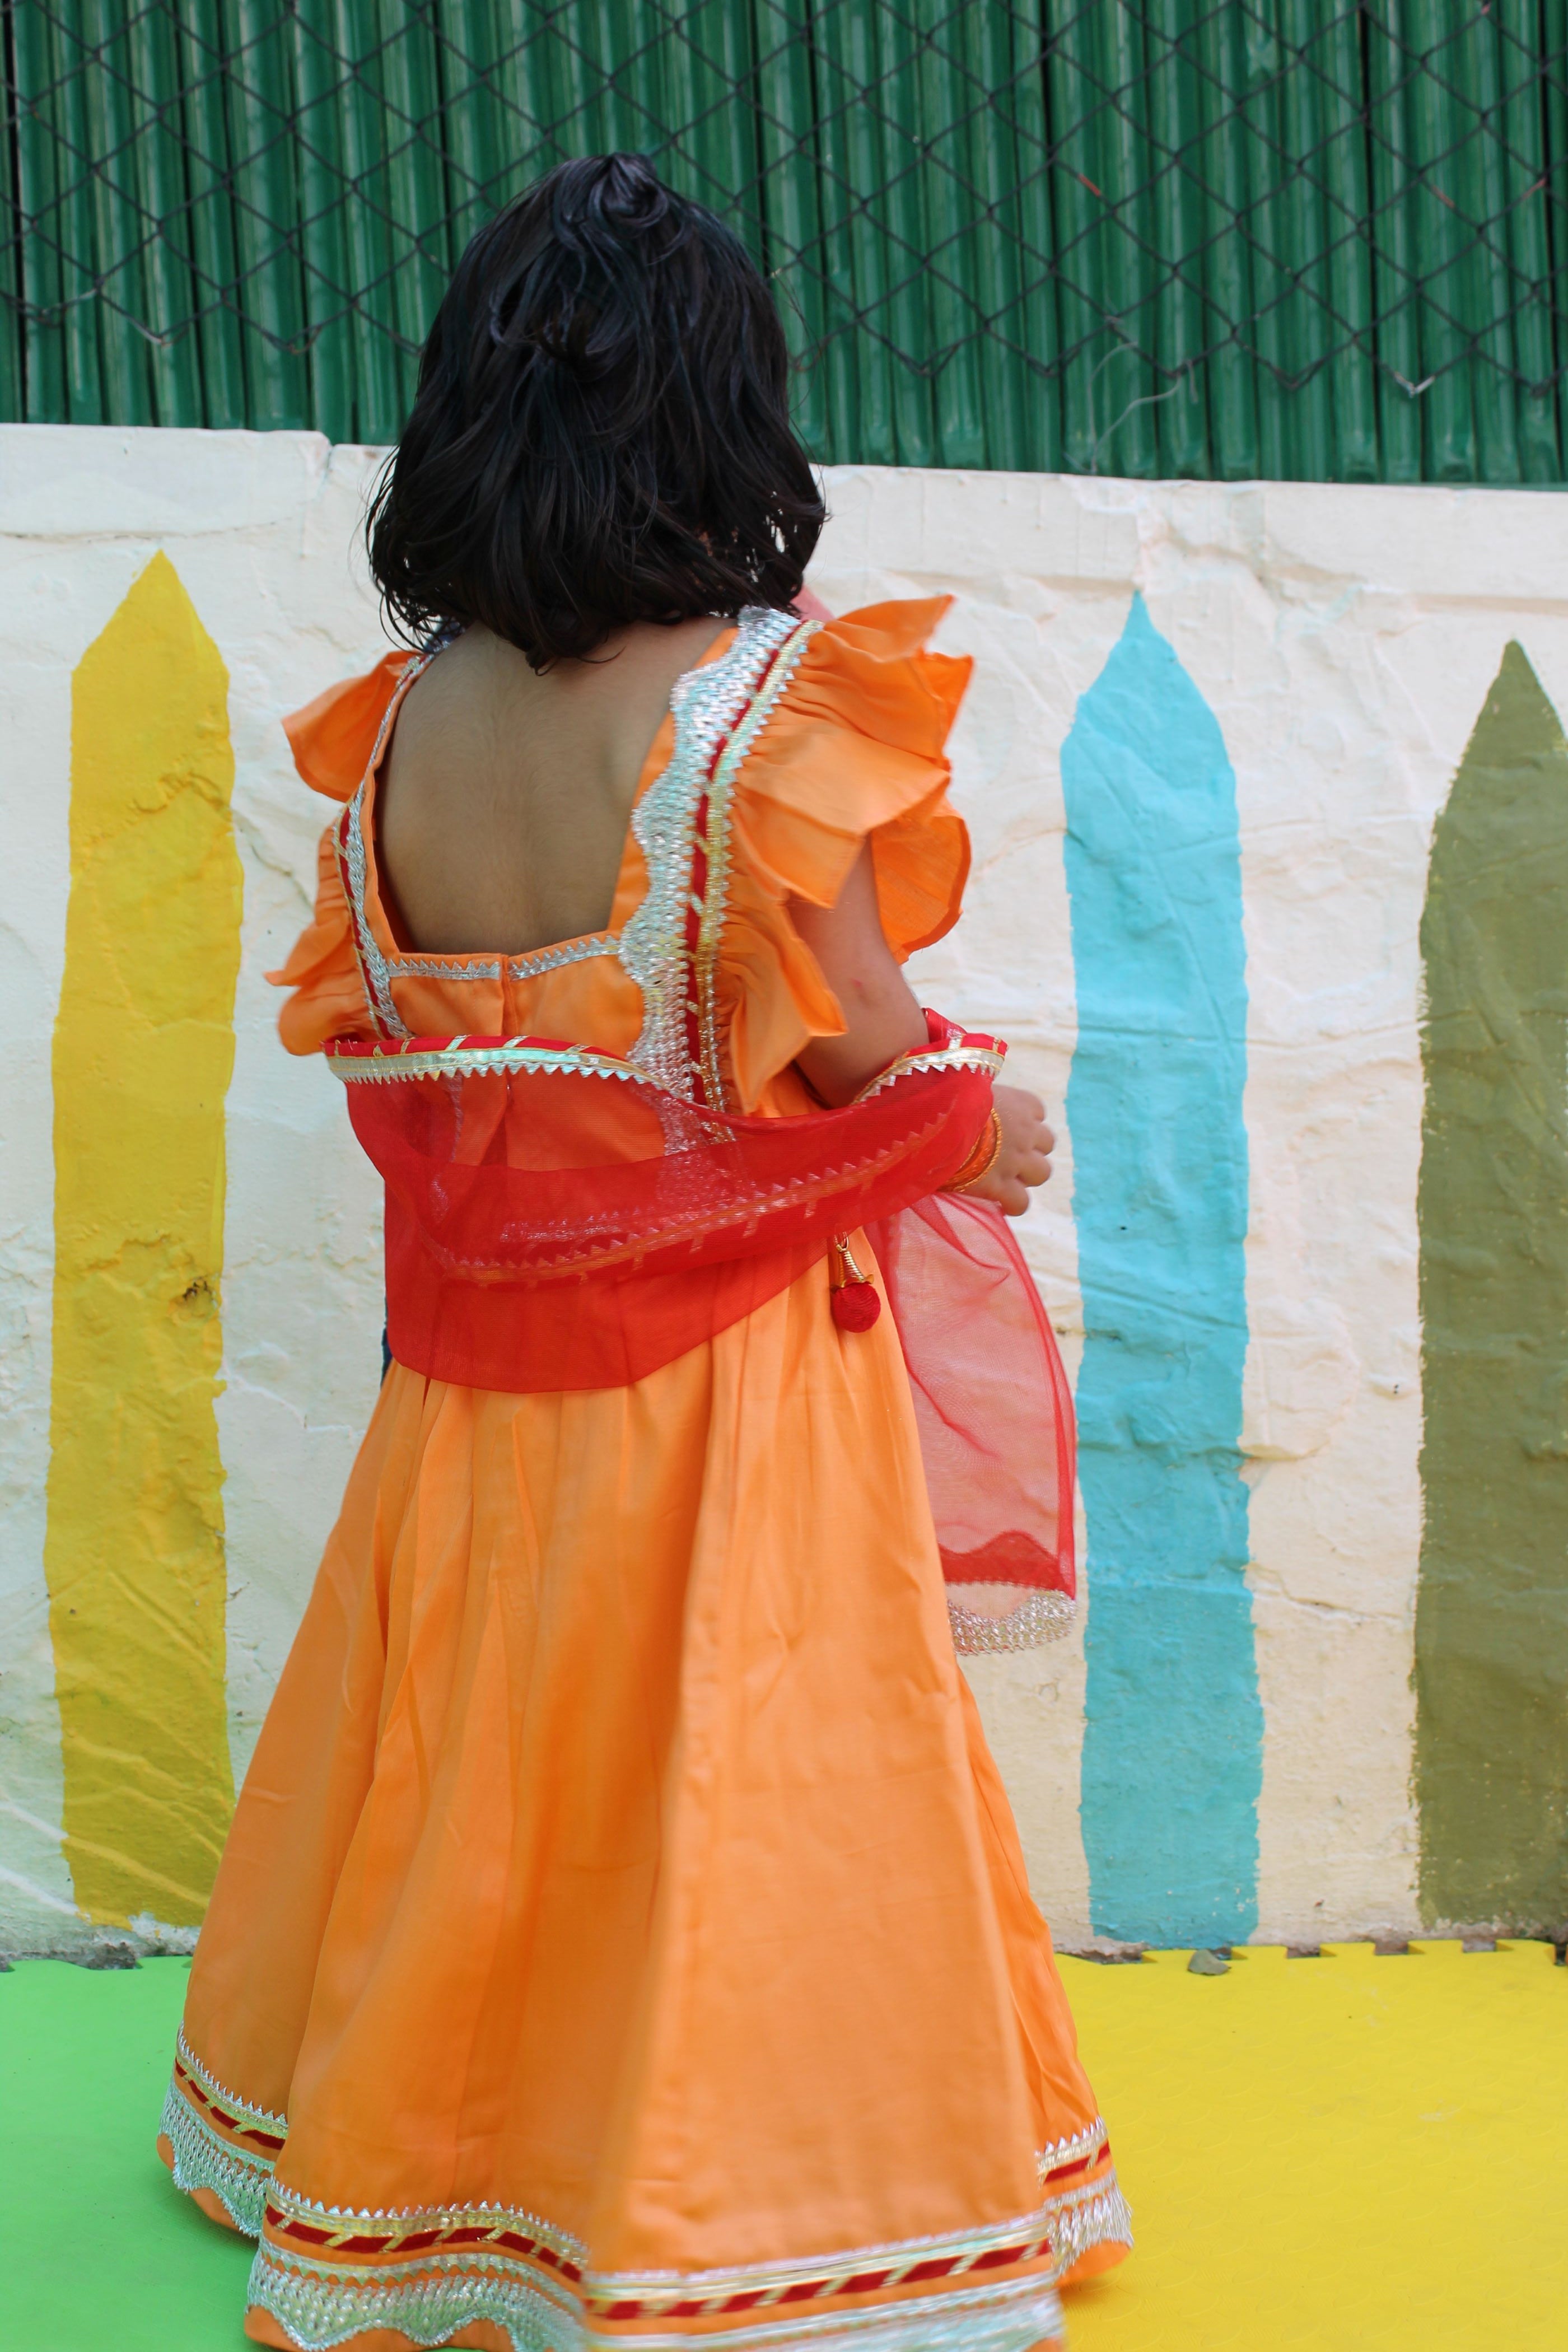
(623, 1933)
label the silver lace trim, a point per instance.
(256, 2118)
(243, 2179)
(1097, 2216)
(372, 966)
(511, 1053)
(538, 960)
(1078, 2147)
(238, 2177)
(374, 970)
(520, 967)
(435, 967)
(321, 2307)
(1043, 1617)
(435, 2291)
(707, 703)
(989, 1059)
(405, 2220)
(716, 891)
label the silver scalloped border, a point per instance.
(430, 2295)
(320, 2308)
(322, 2302)
(1043, 1617)
(239, 2178)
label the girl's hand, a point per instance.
(1025, 1159)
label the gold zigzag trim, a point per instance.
(238, 2110)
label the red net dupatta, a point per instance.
(996, 1418)
(558, 1218)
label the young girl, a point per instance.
(623, 1935)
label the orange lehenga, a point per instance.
(623, 1933)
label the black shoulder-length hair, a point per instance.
(601, 432)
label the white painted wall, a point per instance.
(1345, 639)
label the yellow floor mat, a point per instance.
(1361, 2152)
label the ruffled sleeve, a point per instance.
(855, 750)
(328, 994)
(332, 739)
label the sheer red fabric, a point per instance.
(556, 1219)
(994, 1407)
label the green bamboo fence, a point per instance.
(1293, 239)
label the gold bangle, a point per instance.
(981, 1160)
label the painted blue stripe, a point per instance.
(1173, 1735)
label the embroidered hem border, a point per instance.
(320, 2308)
(204, 2157)
(430, 2270)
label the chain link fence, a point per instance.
(1289, 239)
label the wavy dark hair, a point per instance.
(601, 432)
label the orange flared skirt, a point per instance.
(622, 1853)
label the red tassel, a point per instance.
(855, 1306)
(855, 1302)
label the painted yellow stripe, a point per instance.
(143, 1049)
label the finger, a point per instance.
(1031, 1167)
(1013, 1198)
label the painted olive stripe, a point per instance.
(1491, 1620)
(142, 1051)
(1174, 1731)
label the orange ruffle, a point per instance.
(857, 746)
(332, 738)
(856, 749)
(327, 999)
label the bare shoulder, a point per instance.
(455, 697)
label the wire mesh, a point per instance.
(1290, 239)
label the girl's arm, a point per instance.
(882, 1021)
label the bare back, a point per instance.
(504, 805)
(502, 814)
